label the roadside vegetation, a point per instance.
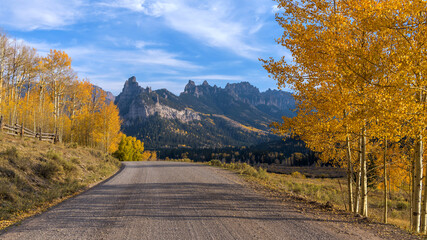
(132, 149)
(35, 175)
(327, 193)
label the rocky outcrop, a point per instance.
(139, 110)
(245, 92)
(201, 90)
(136, 103)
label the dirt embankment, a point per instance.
(35, 175)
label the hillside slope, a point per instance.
(35, 174)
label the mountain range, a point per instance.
(202, 116)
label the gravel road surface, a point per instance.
(170, 200)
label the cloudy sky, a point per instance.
(164, 43)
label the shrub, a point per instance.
(53, 155)
(47, 169)
(6, 193)
(68, 166)
(91, 168)
(215, 162)
(130, 149)
(248, 170)
(262, 173)
(8, 173)
(72, 145)
(75, 160)
(402, 205)
(297, 175)
(11, 154)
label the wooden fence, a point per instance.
(19, 130)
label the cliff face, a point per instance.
(245, 92)
(202, 115)
(136, 103)
(140, 110)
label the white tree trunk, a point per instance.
(358, 178)
(385, 181)
(364, 178)
(349, 175)
(418, 184)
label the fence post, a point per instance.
(22, 131)
(1, 123)
(55, 139)
(40, 133)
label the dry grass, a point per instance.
(35, 175)
(323, 191)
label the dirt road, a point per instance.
(168, 200)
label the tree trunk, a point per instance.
(349, 175)
(424, 207)
(385, 181)
(411, 173)
(418, 172)
(358, 178)
(364, 180)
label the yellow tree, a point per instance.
(59, 76)
(108, 122)
(340, 76)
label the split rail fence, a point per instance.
(20, 130)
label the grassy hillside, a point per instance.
(35, 175)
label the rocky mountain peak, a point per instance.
(242, 88)
(189, 88)
(199, 90)
(131, 86)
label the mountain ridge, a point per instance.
(204, 115)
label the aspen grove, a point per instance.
(43, 93)
(358, 73)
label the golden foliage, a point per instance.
(44, 94)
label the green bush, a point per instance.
(47, 169)
(6, 193)
(11, 154)
(215, 162)
(297, 175)
(8, 173)
(402, 205)
(248, 170)
(262, 173)
(68, 166)
(72, 145)
(75, 160)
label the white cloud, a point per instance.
(214, 23)
(39, 14)
(43, 48)
(128, 42)
(152, 57)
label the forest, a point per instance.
(44, 93)
(287, 152)
(358, 72)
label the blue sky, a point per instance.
(164, 43)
